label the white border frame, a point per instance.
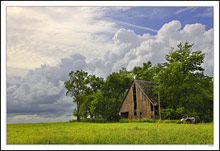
(215, 4)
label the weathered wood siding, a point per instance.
(128, 103)
(143, 104)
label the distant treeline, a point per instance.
(184, 89)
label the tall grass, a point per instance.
(109, 133)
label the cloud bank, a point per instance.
(40, 95)
(44, 35)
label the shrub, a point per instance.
(171, 121)
(168, 114)
(92, 120)
(95, 120)
(171, 114)
(71, 121)
(140, 120)
(179, 113)
(124, 121)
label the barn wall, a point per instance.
(128, 103)
(143, 105)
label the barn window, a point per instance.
(135, 113)
(140, 114)
(152, 107)
(135, 105)
(124, 115)
(135, 99)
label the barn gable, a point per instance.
(147, 88)
(139, 101)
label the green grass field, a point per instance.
(109, 133)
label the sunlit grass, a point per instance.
(109, 133)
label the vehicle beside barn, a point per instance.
(189, 120)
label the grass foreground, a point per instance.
(109, 133)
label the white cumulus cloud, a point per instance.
(42, 89)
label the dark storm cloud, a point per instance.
(41, 92)
(42, 89)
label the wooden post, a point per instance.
(159, 104)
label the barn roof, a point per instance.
(147, 88)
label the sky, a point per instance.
(45, 43)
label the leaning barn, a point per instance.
(140, 102)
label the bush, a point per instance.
(100, 120)
(141, 120)
(179, 113)
(150, 121)
(71, 121)
(171, 114)
(168, 114)
(171, 121)
(124, 121)
(95, 120)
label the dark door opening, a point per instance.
(141, 115)
(135, 99)
(135, 114)
(152, 107)
(157, 112)
(124, 114)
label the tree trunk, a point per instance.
(78, 118)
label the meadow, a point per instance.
(109, 133)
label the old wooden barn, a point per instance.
(140, 101)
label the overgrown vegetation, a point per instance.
(95, 97)
(183, 87)
(109, 133)
(101, 120)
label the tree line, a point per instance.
(184, 89)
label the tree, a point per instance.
(76, 86)
(184, 89)
(96, 97)
(90, 94)
(144, 73)
(182, 82)
(113, 92)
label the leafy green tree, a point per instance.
(96, 104)
(143, 73)
(94, 86)
(76, 86)
(184, 89)
(182, 82)
(113, 92)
